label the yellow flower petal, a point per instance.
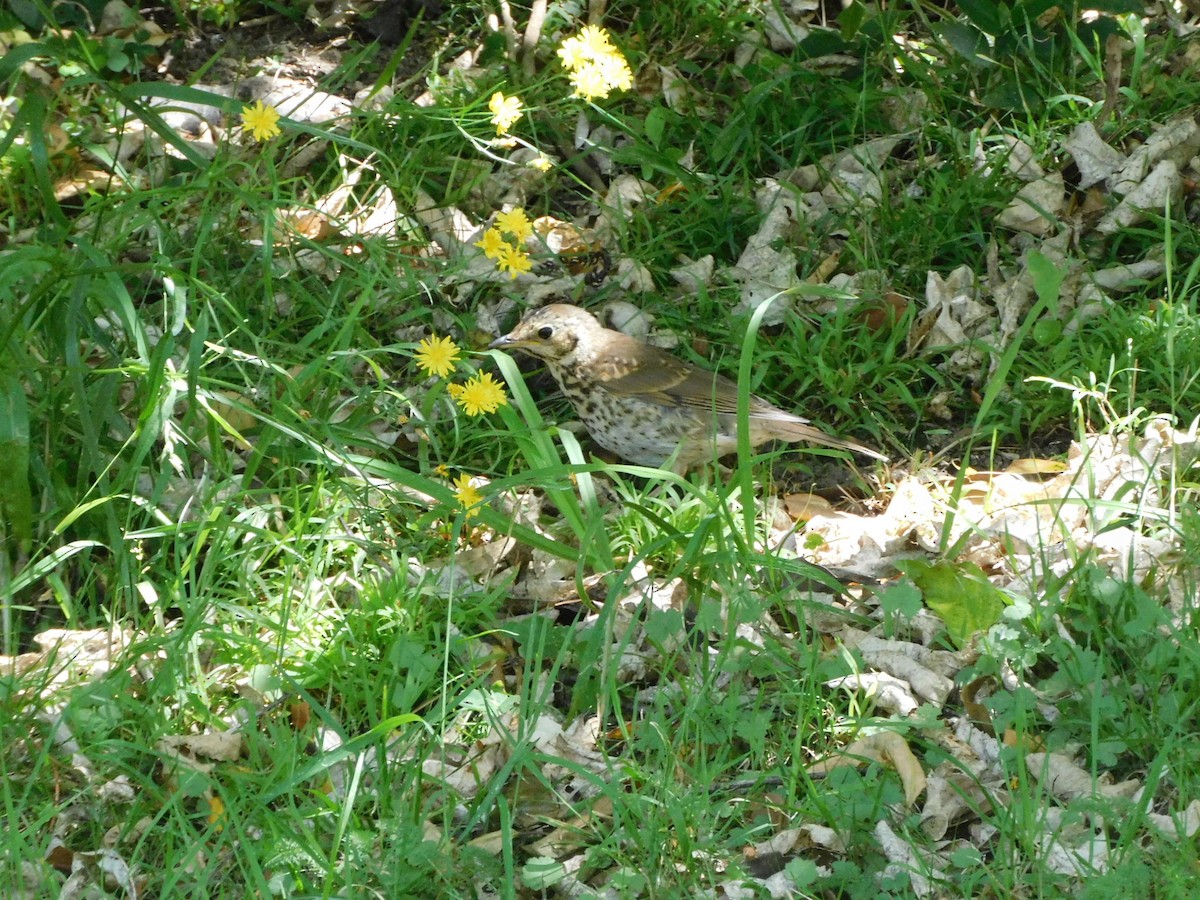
(467, 495)
(437, 356)
(505, 111)
(616, 72)
(597, 67)
(492, 243)
(516, 223)
(261, 121)
(596, 41)
(481, 394)
(589, 82)
(514, 260)
(572, 53)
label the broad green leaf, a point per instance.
(986, 15)
(655, 125)
(965, 40)
(960, 594)
(851, 19)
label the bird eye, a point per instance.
(544, 332)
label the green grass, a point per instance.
(216, 440)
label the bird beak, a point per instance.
(506, 342)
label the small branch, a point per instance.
(533, 33)
(510, 29)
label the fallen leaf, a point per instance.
(802, 507)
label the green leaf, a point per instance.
(902, 598)
(16, 499)
(656, 123)
(960, 594)
(663, 626)
(1047, 332)
(965, 40)
(986, 15)
(117, 61)
(803, 872)
(1047, 277)
(541, 873)
(851, 19)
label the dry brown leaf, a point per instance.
(926, 684)
(300, 714)
(976, 710)
(487, 557)
(221, 746)
(887, 748)
(1161, 189)
(1036, 207)
(913, 510)
(1185, 824)
(85, 180)
(306, 223)
(1094, 158)
(235, 413)
(922, 869)
(1067, 781)
(803, 507)
(884, 313)
(767, 265)
(951, 798)
(492, 843)
(1031, 466)
(824, 268)
(60, 856)
(885, 691)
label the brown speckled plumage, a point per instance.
(642, 403)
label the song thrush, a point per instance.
(642, 403)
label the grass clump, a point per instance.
(303, 591)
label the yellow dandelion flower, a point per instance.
(481, 394)
(542, 164)
(514, 260)
(616, 72)
(597, 67)
(516, 223)
(467, 494)
(596, 42)
(455, 390)
(261, 121)
(505, 111)
(492, 243)
(589, 82)
(572, 53)
(437, 356)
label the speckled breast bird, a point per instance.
(642, 403)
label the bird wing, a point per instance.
(633, 369)
(629, 368)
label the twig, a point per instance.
(533, 33)
(510, 29)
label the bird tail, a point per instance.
(796, 431)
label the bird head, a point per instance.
(551, 333)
